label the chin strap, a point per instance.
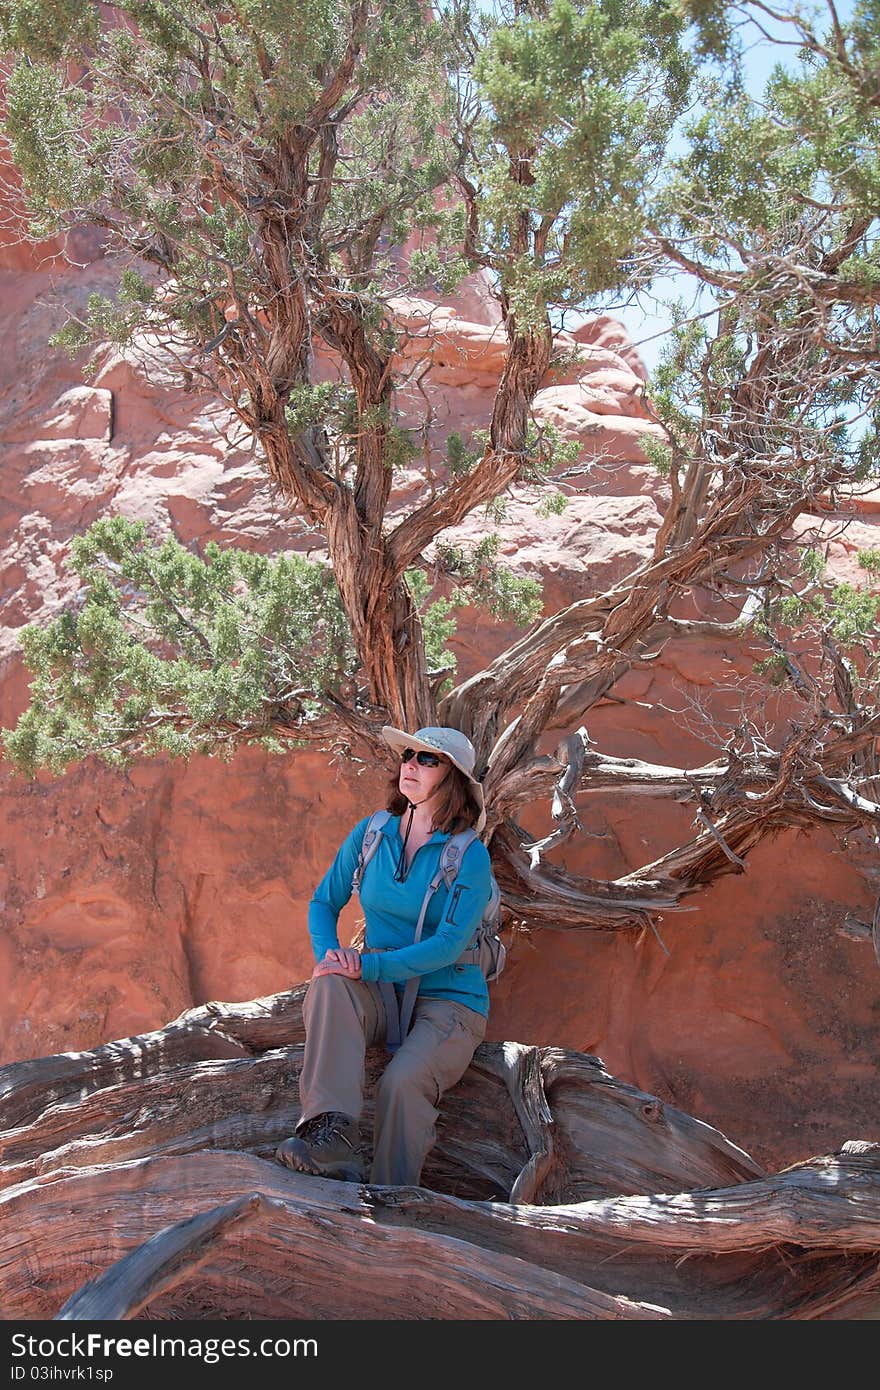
(400, 871)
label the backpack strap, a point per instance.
(411, 988)
(448, 867)
(472, 955)
(370, 843)
(392, 1015)
(453, 853)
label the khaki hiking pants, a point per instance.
(343, 1018)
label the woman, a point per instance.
(353, 996)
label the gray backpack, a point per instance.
(486, 950)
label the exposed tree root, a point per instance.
(138, 1182)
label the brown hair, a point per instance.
(457, 809)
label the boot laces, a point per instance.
(328, 1126)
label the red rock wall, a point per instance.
(127, 898)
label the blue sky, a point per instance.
(649, 324)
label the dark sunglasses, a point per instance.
(423, 758)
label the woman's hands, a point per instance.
(340, 960)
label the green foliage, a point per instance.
(461, 458)
(852, 614)
(326, 403)
(773, 668)
(46, 30)
(545, 451)
(578, 102)
(438, 626)
(657, 453)
(42, 110)
(334, 408)
(554, 505)
(107, 320)
(845, 612)
(869, 560)
(795, 607)
(767, 193)
(867, 463)
(712, 24)
(483, 579)
(168, 652)
(399, 137)
(430, 268)
(173, 138)
(400, 448)
(671, 384)
(812, 564)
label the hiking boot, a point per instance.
(325, 1146)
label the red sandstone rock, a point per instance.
(605, 331)
(606, 435)
(80, 412)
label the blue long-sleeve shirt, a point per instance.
(391, 910)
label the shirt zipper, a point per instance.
(418, 851)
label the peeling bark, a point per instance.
(138, 1183)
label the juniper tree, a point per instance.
(259, 167)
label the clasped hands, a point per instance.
(340, 960)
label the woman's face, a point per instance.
(417, 782)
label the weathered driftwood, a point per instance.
(138, 1182)
(212, 1030)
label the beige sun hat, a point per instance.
(452, 743)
